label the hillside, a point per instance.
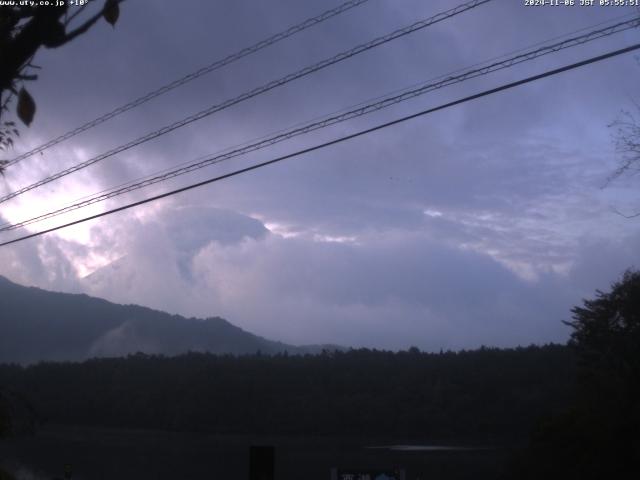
(40, 325)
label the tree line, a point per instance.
(486, 395)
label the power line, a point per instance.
(310, 22)
(257, 91)
(332, 120)
(492, 91)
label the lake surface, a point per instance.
(104, 453)
(430, 448)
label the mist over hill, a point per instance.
(36, 325)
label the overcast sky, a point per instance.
(481, 224)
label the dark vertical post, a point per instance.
(261, 463)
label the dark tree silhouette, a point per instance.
(626, 136)
(487, 396)
(23, 31)
(627, 141)
(606, 335)
(599, 437)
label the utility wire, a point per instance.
(257, 91)
(352, 106)
(485, 93)
(363, 102)
(325, 122)
(310, 22)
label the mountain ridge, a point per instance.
(41, 325)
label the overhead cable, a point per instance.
(255, 92)
(310, 22)
(336, 141)
(326, 122)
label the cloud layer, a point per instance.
(482, 224)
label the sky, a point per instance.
(482, 224)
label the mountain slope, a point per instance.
(38, 325)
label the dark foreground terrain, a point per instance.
(565, 412)
(105, 453)
(487, 396)
(195, 416)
